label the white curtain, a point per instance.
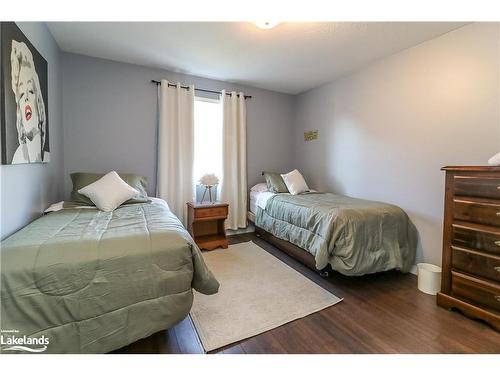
(234, 159)
(176, 148)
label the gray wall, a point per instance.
(385, 132)
(110, 109)
(29, 189)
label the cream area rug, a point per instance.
(258, 292)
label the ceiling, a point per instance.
(292, 58)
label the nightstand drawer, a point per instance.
(210, 212)
(482, 292)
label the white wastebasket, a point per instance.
(429, 278)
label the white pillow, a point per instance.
(109, 192)
(259, 187)
(294, 182)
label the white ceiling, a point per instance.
(292, 57)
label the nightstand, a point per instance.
(206, 224)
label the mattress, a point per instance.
(89, 281)
(259, 199)
(253, 201)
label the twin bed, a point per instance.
(328, 231)
(91, 281)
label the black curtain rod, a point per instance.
(202, 90)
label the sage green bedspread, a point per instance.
(354, 236)
(94, 281)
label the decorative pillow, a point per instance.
(108, 192)
(259, 187)
(275, 183)
(81, 180)
(295, 182)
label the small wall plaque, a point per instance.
(310, 135)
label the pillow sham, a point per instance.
(259, 187)
(294, 182)
(275, 183)
(81, 179)
(108, 192)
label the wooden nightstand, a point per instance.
(206, 224)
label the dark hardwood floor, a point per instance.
(382, 313)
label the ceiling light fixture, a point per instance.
(266, 24)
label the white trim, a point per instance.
(413, 269)
(249, 229)
(207, 99)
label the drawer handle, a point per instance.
(497, 269)
(498, 213)
(497, 298)
(497, 243)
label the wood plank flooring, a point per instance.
(382, 313)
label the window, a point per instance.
(207, 137)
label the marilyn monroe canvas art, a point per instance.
(25, 137)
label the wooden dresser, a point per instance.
(206, 224)
(471, 243)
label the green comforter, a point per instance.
(92, 281)
(354, 236)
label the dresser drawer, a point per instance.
(210, 212)
(478, 291)
(476, 210)
(477, 237)
(472, 186)
(476, 263)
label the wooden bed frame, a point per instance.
(293, 250)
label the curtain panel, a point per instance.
(234, 159)
(176, 148)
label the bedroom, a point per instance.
(250, 188)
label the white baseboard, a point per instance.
(413, 269)
(250, 228)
